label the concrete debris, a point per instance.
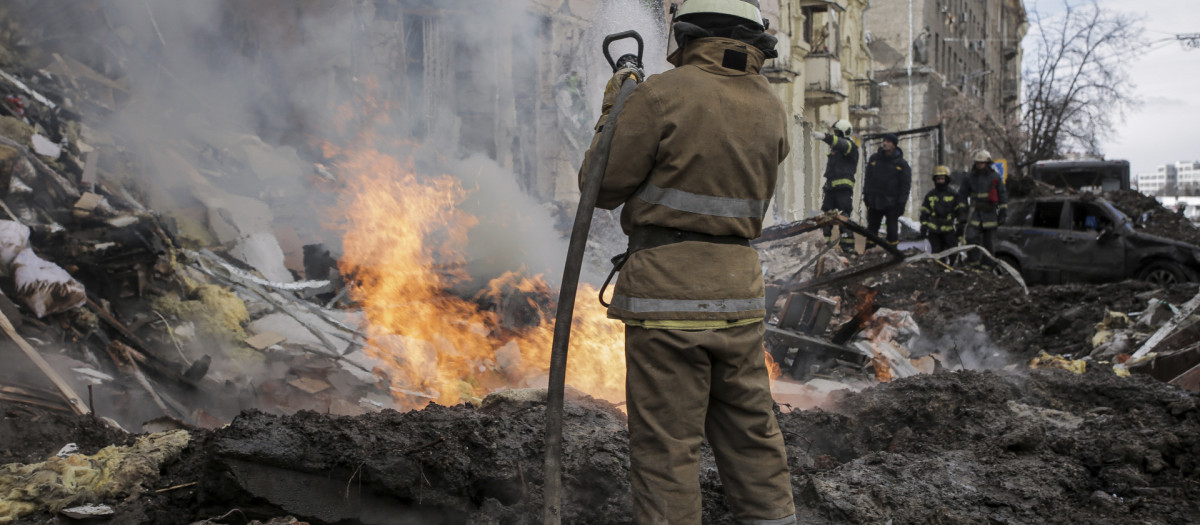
(88, 511)
(14, 239)
(264, 340)
(45, 287)
(44, 147)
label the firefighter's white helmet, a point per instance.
(983, 156)
(843, 126)
(745, 9)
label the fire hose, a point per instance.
(589, 192)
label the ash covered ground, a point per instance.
(952, 447)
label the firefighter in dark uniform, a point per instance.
(940, 212)
(987, 199)
(839, 177)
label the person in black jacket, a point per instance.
(885, 187)
(839, 177)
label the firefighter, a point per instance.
(840, 167)
(940, 212)
(886, 185)
(987, 199)
(694, 160)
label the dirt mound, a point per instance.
(950, 447)
(976, 447)
(437, 465)
(1028, 188)
(1151, 217)
(29, 435)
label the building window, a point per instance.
(820, 29)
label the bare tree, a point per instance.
(971, 127)
(1077, 88)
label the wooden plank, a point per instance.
(1189, 380)
(91, 163)
(33, 402)
(1176, 322)
(77, 404)
(266, 339)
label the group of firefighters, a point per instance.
(970, 214)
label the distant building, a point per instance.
(927, 51)
(1187, 176)
(1181, 178)
(1156, 181)
(822, 75)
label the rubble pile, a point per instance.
(167, 265)
(953, 306)
(954, 447)
(1149, 216)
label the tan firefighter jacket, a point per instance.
(696, 148)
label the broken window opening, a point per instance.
(820, 30)
(1048, 215)
(1089, 217)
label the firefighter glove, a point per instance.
(924, 232)
(960, 231)
(1003, 216)
(614, 86)
(818, 135)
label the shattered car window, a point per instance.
(1021, 214)
(1048, 215)
(1086, 216)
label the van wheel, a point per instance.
(1011, 261)
(1163, 274)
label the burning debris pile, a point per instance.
(182, 260)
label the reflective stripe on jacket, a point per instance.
(941, 209)
(976, 190)
(696, 148)
(842, 163)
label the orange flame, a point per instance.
(774, 371)
(883, 371)
(402, 232)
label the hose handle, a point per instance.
(623, 61)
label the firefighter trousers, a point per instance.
(942, 241)
(985, 237)
(687, 385)
(841, 200)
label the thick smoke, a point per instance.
(259, 87)
(963, 341)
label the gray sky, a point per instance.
(1164, 128)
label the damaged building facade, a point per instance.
(927, 52)
(822, 75)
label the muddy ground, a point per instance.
(952, 447)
